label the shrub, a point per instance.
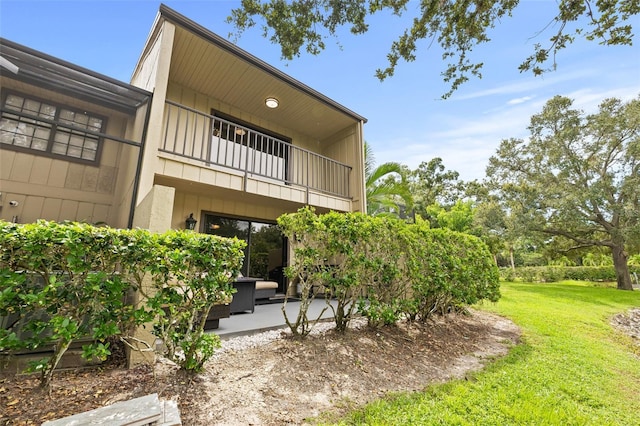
(558, 273)
(507, 274)
(61, 282)
(384, 267)
(448, 269)
(66, 281)
(192, 272)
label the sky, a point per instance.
(408, 122)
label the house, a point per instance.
(70, 140)
(205, 135)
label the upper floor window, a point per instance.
(60, 132)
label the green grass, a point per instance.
(571, 368)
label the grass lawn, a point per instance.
(572, 367)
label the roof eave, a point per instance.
(186, 23)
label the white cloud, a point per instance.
(589, 99)
(528, 84)
(521, 100)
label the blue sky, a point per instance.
(407, 120)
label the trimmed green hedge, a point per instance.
(63, 281)
(559, 273)
(385, 267)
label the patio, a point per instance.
(266, 317)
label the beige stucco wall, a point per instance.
(159, 61)
(55, 189)
(145, 73)
(153, 213)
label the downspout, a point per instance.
(362, 181)
(136, 179)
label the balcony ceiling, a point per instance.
(211, 65)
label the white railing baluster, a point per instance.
(270, 157)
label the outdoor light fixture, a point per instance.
(190, 223)
(271, 103)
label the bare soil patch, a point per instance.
(273, 379)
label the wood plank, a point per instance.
(134, 412)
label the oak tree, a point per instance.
(457, 26)
(577, 177)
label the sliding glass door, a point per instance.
(264, 256)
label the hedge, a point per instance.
(559, 273)
(65, 281)
(384, 267)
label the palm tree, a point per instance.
(387, 186)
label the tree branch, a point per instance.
(583, 241)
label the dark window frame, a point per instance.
(246, 267)
(251, 142)
(250, 126)
(55, 126)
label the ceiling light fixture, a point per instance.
(271, 103)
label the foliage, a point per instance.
(447, 270)
(577, 178)
(305, 266)
(384, 267)
(456, 26)
(61, 282)
(547, 274)
(571, 368)
(386, 185)
(459, 217)
(192, 272)
(431, 183)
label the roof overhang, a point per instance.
(36, 68)
(209, 64)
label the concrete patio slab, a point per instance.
(267, 317)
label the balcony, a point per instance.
(216, 142)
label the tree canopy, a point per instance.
(577, 177)
(431, 183)
(456, 26)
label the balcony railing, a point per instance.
(191, 134)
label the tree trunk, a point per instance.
(622, 269)
(513, 264)
(47, 372)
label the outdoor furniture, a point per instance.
(263, 289)
(266, 289)
(217, 312)
(244, 297)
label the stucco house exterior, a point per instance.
(204, 130)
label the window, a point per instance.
(264, 254)
(59, 134)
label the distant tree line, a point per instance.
(569, 194)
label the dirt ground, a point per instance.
(283, 381)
